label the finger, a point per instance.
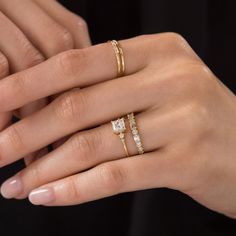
(75, 111)
(20, 53)
(35, 156)
(75, 24)
(45, 33)
(87, 149)
(26, 111)
(129, 174)
(5, 118)
(4, 66)
(59, 142)
(77, 68)
(71, 112)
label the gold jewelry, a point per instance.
(119, 128)
(135, 133)
(119, 58)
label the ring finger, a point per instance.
(87, 149)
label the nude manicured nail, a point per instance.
(41, 196)
(11, 188)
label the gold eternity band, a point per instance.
(135, 133)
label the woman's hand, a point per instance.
(186, 119)
(31, 31)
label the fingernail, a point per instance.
(41, 196)
(11, 188)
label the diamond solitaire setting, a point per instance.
(119, 129)
(118, 126)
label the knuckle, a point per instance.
(13, 137)
(81, 22)
(171, 45)
(165, 39)
(78, 21)
(65, 63)
(34, 60)
(72, 62)
(4, 66)
(67, 39)
(70, 106)
(31, 56)
(196, 119)
(147, 38)
(65, 107)
(174, 39)
(63, 41)
(201, 73)
(176, 45)
(197, 78)
(86, 145)
(112, 177)
(72, 191)
(190, 77)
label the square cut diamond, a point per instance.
(118, 126)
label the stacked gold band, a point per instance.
(135, 133)
(119, 58)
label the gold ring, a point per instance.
(135, 133)
(119, 128)
(119, 58)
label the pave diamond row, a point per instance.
(135, 133)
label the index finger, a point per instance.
(74, 68)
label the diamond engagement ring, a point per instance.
(119, 128)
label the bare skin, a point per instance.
(45, 30)
(186, 118)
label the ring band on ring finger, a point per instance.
(81, 152)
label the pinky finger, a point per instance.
(111, 178)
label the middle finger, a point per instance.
(73, 111)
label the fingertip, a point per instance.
(42, 196)
(11, 188)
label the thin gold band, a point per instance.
(122, 138)
(119, 57)
(135, 133)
